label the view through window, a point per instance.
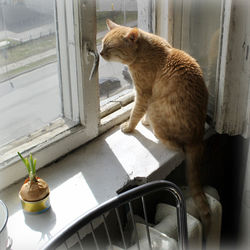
(30, 95)
(114, 78)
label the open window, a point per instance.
(50, 101)
(114, 78)
(28, 71)
(49, 104)
(115, 82)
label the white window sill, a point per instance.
(86, 178)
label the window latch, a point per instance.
(95, 54)
(95, 64)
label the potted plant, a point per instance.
(34, 193)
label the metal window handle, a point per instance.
(90, 52)
(95, 64)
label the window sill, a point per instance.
(87, 177)
(48, 143)
(37, 139)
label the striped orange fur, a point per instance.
(170, 89)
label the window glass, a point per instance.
(114, 78)
(198, 24)
(30, 95)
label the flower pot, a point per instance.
(35, 207)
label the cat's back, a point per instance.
(182, 75)
(180, 63)
(181, 89)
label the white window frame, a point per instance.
(68, 53)
(227, 112)
(82, 101)
(76, 26)
(232, 113)
(178, 19)
(84, 119)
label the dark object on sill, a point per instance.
(108, 84)
(209, 120)
(126, 75)
(115, 206)
(137, 181)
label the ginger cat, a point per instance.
(170, 89)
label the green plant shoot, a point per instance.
(30, 164)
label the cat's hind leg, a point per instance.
(167, 140)
(172, 145)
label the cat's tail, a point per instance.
(194, 154)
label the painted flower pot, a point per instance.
(35, 207)
(34, 193)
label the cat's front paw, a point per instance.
(125, 128)
(145, 121)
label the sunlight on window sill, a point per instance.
(140, 153)
(115, 158)
(63, 210)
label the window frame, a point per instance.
(50, 146)
(86, 120)
(80, 95)
(178, 19)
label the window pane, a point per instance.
(29, 85)
(199, 36)
(114, 78)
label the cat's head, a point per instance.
(120, 43)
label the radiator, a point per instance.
(160, 234)
(164, 230)
(166, 223)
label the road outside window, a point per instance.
(114, 78)
(30, 96)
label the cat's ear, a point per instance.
(133, 35)
(111, 25)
